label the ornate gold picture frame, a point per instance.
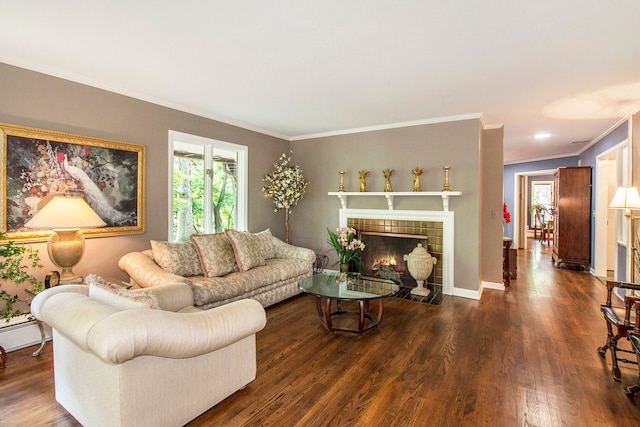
(35, 163)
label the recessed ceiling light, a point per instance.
(542, 135)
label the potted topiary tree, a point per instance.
(286, 185)
(15, 263)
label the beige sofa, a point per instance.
(121, 365)
(224, 267)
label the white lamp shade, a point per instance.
(626, 198)
(63, 212)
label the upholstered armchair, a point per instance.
(130, 366)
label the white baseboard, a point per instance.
(20, 333)
(493, 285)
(466, 293)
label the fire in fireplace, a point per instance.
(384, 255)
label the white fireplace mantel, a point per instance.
(344, 195)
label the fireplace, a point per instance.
(385, 252)
(391, 234)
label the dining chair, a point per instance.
(620, 320)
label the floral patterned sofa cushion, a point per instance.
(215, 253)
(246, 249)
(177, 258)
(264, 240)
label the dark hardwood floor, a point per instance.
(523, 357)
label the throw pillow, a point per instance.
(177, 258)
(264, 241)
(215, 254)
(246, 249)
(118, 296)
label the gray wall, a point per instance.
(37, 100)
(432, 146)
(491, 220)
(41, 101)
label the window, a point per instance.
(208, 186)
(541, 195)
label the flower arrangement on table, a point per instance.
(286, 185)
(349, 248)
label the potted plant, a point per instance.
(286, 185)
(539, 207)
(348, 247)
(15, 263)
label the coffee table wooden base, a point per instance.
(366, 320)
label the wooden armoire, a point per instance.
(572, 217)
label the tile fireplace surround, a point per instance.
(408, 231)
(437, 226)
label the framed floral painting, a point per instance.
(36, 163)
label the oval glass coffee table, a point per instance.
(348, 287)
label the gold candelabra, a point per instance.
(446, 178)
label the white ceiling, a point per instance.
(295, 68)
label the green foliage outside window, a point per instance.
(189, 198)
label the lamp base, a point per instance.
(65, 249)
(70, 278)
(78, 281)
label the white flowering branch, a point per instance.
(286, 184)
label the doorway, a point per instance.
(612, 171)
(541, 203)
(523, 190)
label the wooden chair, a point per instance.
(619, 319)
(547, 232)
(538, 223)
(634, 338)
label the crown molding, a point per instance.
(388, 126)
(539, 159)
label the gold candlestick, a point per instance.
(341, 188)
(446, 178)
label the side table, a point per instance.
(506, 249)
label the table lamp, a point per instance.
(627, 198)
(66, 215)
